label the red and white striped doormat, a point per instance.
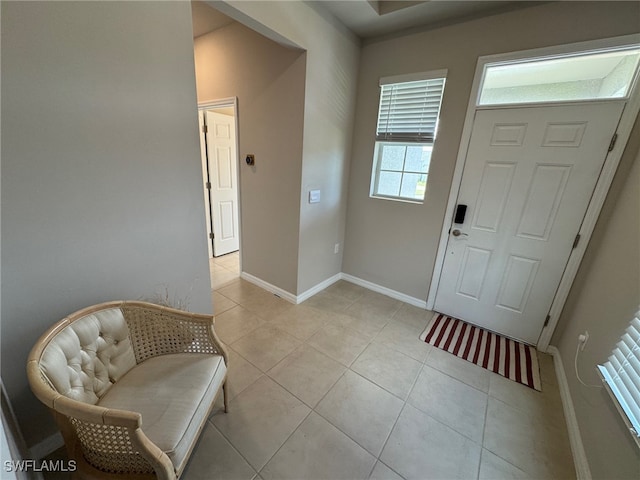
(513, 360)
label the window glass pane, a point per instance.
(389, 183)
(392, 157)
(418, 157)
(587, 76)
(409, 188)
(421, 187)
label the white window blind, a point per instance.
(409, 111)
(622, 375)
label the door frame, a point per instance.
(213, 104)
(611, 162)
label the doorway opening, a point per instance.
(219, 153)
(527, 183)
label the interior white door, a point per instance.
(527, 182)
(223, 176)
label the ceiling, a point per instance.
(373, 18)
(207, 19)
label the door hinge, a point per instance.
(208, 185)
(546, 320)
(212, 236)
(205, 129)
(576, 241)
(613, 142)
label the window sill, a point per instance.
(398, 199)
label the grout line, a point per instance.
(288, 437)
(232, 445)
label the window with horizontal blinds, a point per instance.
(622, 375)
(409, 111)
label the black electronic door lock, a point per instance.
(461, 211)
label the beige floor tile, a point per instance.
(345, 289)
(307, 373)
(265, 346)
(547, 405)
(420, 447)
(534, 446)
(339, 343)
(223, 277)
(451, 402)
(404, 339)
(413, 316)
(328, 302)
(388, 368)
(302, 322)
(366, 327)
(382, 472)
(241, 291)
(235, 323)
(214, 457)
(216, 267)
(221, 303)
(378, 309)
(381, 301)
(362, 410)
(260, 420)
(493, 467)
(367, 319)
(266, 305)
(455, 367)
(240, 374)
(232, 264)
(318, 450)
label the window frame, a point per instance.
(611, 372)
(377, 168)
(419, 140)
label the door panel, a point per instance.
(222, 157)
(527, 181)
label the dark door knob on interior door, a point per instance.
(457, 233)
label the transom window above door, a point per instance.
(405, 135)
(583, 76)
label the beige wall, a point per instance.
(394, 244)
(101, 176)
(603, 299)
(268, 80)
(331, 73)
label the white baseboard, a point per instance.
(385, 291)
(46, 446)
(318, 288)
(289, 297)
(575, 439)
(296, 299)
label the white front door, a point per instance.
(527, 181)
(223, 178)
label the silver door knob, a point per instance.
(458, 233)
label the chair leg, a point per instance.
(225, 395)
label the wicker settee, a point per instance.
(131, 385)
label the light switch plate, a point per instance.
(314, 196)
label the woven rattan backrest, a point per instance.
(160, 332)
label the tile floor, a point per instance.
(340, 387)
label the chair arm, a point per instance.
(111, 441)
(157, 330)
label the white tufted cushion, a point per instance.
(88, 356)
